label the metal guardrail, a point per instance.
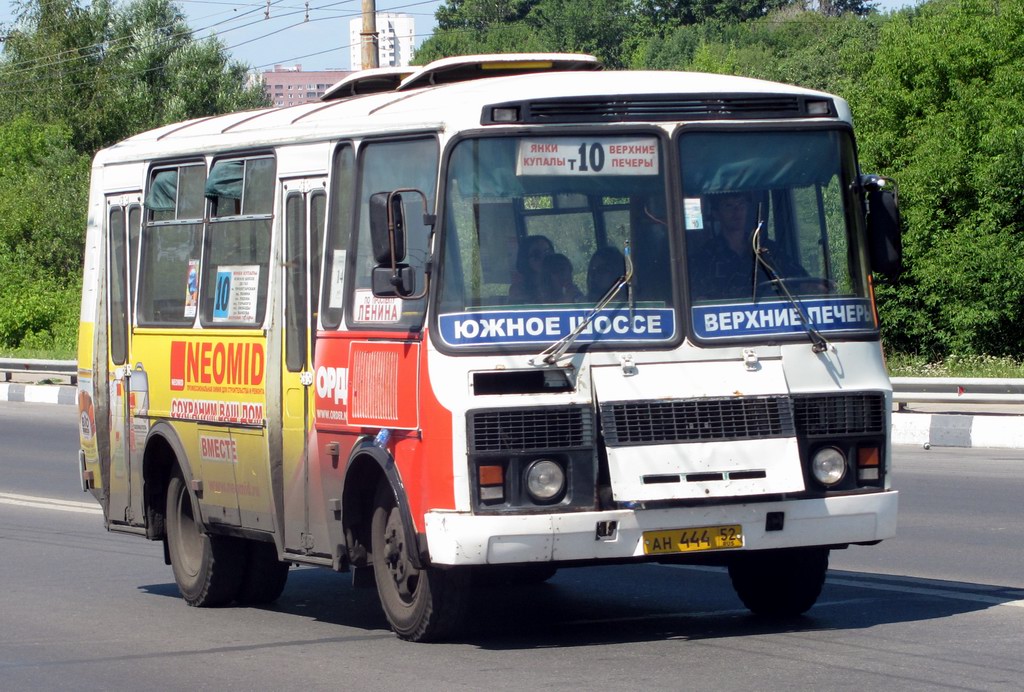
(63, 368)
(920, 390)
(963, 390)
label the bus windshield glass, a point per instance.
(538, 229)
(772, 233)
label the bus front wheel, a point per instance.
(208, 569)
(779, 583)
(420, 604)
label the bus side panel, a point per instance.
(365, 386)
(434, 469)
(93, 406)
(211, 387)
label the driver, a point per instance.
(725, 266)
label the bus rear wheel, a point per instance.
(265, 575)
(208, 569)
(425, 604)
(779, 583)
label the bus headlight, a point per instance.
(828, 466)
(545, 480)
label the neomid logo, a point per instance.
(216, 363)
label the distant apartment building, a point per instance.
(290, 86)
(396, 34)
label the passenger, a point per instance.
(557, 281)
(606, 266)
(527, 277)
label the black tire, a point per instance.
(779, 583)
(208, 569)
(420, 604)
(265, 576)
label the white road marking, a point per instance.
(49, 503)
(919, 586)
(930, 591)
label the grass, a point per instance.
(903, 365)
(38, 354)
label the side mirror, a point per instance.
(392, 278)
(387, 227)
(399, 282)
(885, 245)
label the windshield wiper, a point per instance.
(552, 353)
(818, 342)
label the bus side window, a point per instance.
(237, 248)
(339, 232)
(168, 271)
(387, 166)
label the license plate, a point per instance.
(693, 540)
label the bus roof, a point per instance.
(581, 95)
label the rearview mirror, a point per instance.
(399, 282)
(387, 227)
(885, 245)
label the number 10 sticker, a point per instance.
(236, 293)
(222, 296)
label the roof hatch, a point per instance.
(469, 67)
(372, 81)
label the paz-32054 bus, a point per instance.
(487, 319)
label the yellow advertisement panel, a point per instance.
(211, 385)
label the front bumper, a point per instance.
(457, 538)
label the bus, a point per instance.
(471, 323)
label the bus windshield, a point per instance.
(772, 236)
(539, 228)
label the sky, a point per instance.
(286, 38)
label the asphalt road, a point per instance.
(939, 607)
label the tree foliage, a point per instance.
(600, 27)
(109, 72)
(74, 79)
(942, 110)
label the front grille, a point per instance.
(519, 430)
(668, 108)
(840, 414)
(696, 420)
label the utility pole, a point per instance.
(369, 35)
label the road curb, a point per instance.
(958, 430)
(39, 394)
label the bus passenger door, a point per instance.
(128, 388)
(305, 205)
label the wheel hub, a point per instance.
(403, 574)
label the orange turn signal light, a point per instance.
(868, 456)
(492, 475)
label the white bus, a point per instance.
(497, 317)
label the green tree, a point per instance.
(111, 72)
(942, 111)
(785, 46)
(600, 27)
(74, 79)
(662, 17)
(481, 15)
(43, 188)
